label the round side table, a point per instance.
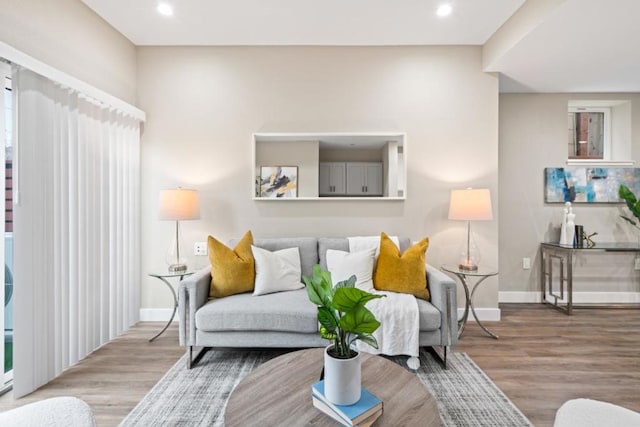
(164, 277)
(482, 273)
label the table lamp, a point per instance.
(178, 205)
(470, 205)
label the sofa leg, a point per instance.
(191, 361)
(440, 353)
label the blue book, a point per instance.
(352, 415)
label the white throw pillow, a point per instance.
(343, 265)
(276, 271)
(360, 243)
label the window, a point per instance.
(589, 133)
(599, 131)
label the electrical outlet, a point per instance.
(526, 263)
(200, 248)
(637, 264)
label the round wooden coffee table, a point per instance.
(278, 392)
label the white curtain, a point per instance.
(76, 227)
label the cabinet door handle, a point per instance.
(366, 188)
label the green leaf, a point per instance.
(324, 334)
(359, 321)
(327, 319)
(312, 291)
(349, 283)
(627, 195)
(319, 287)
(367, 339)
(346, 299)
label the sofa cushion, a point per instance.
(276, 271)
(283, 311)
(232, 270)
(342, 265)
(404, 273)
(342, 244)
(308, 249)
(326, 243)
(430, 317)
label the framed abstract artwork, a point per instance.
(588, 185)
(278, 182)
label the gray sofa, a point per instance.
(289, 319)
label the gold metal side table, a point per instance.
(164, 277)
(482, 273)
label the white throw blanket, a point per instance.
(400, 325)
(398, 314)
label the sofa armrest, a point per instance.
(193, 293)
(442, 289)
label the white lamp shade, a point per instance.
(179, 204)
(471, 204)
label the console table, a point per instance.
(562, 297)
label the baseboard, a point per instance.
(578, 297)
(519, 297)
(484, 314)
(156, 315)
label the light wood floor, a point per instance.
(542, 359)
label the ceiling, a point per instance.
(574, 46)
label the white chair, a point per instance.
(53, 412)
(594, 413)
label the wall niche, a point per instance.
(329, 166)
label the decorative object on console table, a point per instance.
(364, 412)
(634, 207)
(279, 181)
(571, 227)
(578, 241)
(343, 319)
(470, 205)
(563, 224)
(178, 205)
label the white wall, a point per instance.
(69, 36)
(204, 103)
(533, 135)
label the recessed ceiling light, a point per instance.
(165, 9)
(444, 9)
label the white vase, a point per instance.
(342, 383)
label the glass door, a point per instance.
(6, 250)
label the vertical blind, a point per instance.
(76, 227)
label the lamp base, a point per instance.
(177, 268)
(468, 267)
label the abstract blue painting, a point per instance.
(588, 185)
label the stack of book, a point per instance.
(363, 413)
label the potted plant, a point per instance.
(632, 203)
(343, 320)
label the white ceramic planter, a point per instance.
(342, 382)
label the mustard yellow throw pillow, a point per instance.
(404, 273)
(232, 270)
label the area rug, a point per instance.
(197, 397)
